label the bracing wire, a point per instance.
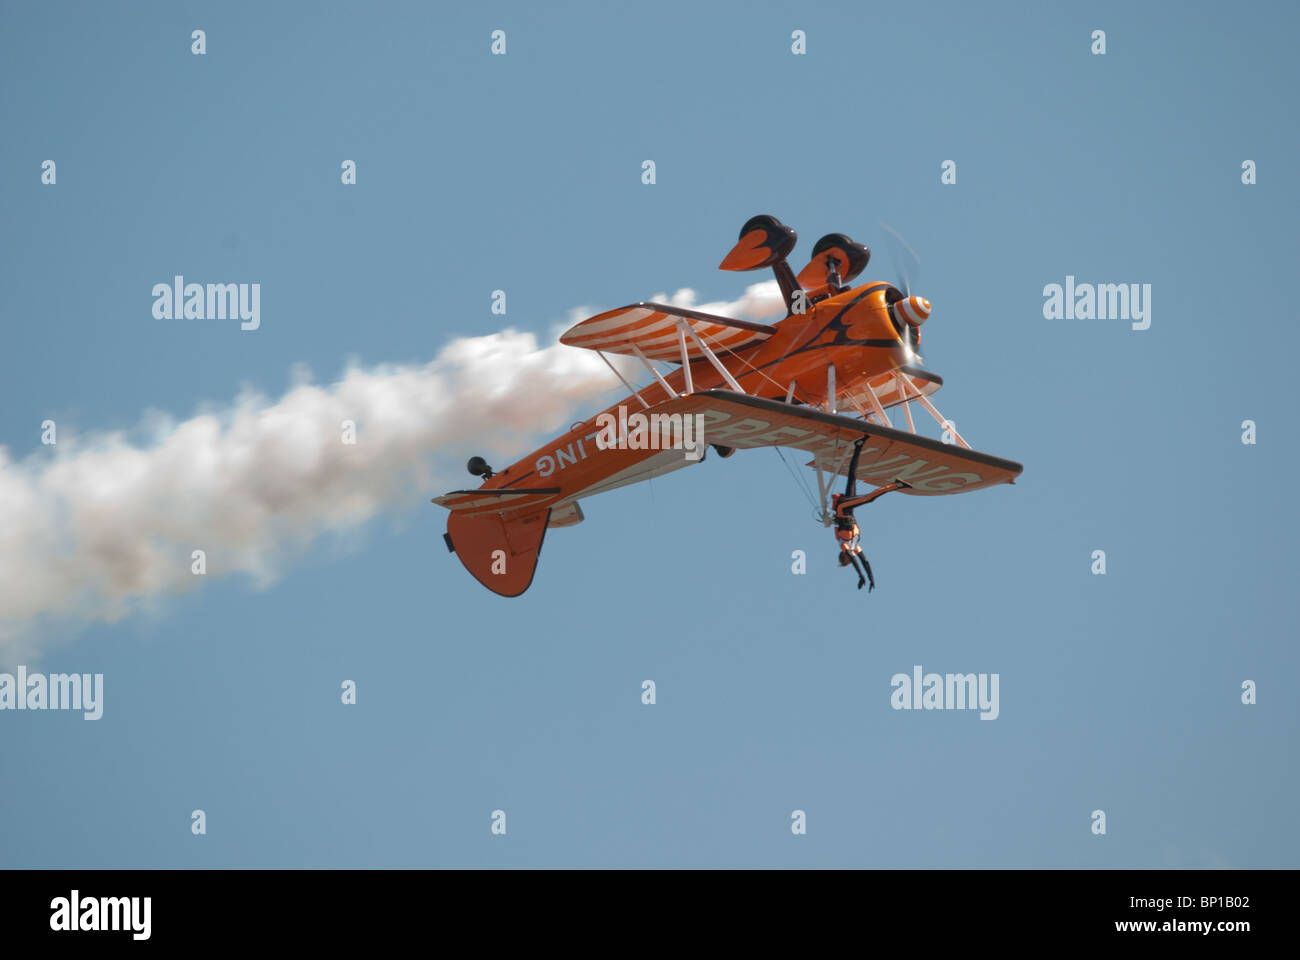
(800, 481)
(802, 484)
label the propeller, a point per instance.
(910, 311)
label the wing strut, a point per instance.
(662, 382)
(878, 409)
(686, 356)
(907, 410)
(933, 411)
(712, 357)
(620, 376)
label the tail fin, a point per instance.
(499, 549)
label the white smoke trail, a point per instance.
(98, 526)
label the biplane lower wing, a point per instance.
(932, 468)
(654, 330)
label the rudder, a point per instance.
(500, 551)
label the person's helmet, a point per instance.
(844, 558)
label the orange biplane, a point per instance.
(741, 385)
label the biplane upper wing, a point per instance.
(652, 328)
(932, 468)
(890, 392)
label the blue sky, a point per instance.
(1118, 692)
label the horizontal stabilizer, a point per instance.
(495, 501)
(569, 515)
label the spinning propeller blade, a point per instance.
(912, 311)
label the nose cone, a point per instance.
(915, 310)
